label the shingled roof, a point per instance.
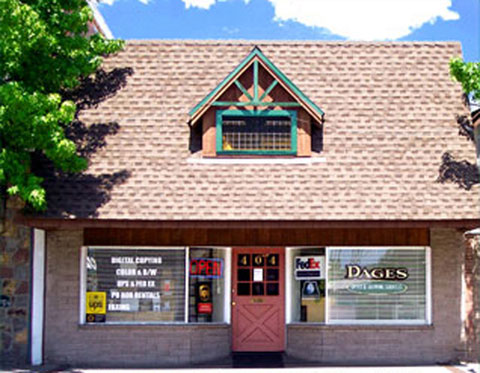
(391, 146)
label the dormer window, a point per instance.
(256, 111)
(266, 132)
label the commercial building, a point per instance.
(304, 197)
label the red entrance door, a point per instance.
(258, 305)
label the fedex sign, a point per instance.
(309, 267)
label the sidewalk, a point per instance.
(386, 369)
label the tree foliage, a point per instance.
(468, 75)
(44, 51)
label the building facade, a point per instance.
(306, 198)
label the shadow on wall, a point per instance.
(195, 139)
(462, 173)
(42, 369)
(103, 85)
(465, 127)
(90, 138)
(81, 195)
(317, 137)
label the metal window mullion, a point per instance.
(428, 279)
(327, 313)
(227, 285)
(288, 285)
(83, 283)
(187, 282)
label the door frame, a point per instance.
(282, 283)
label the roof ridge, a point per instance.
(250, 42)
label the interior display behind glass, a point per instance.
(135, 285)
(207, 285)
(307, 285)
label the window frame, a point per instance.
(428, 289)
(375, 323)
(186, 250)
(292, 114)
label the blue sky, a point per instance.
(298, 20)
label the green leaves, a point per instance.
(468, 74)
(44, 50)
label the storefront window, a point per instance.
(157, 285)
(377, 285)
(135, 285)
(307, 279)
(207, 285)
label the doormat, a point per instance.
(257, 359)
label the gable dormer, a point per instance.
(256, 111)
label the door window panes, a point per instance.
(258, 274)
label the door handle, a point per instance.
(234, 303)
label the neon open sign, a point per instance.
(206, 267)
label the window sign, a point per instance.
(377, 285)
(309, 267)
(206, 267)
(204, 298)
(257, 274)
(135, 285)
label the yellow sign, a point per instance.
(96, 302)
(204, 292)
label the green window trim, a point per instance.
(254, 57)
(292, 114)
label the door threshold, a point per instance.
(257, 360)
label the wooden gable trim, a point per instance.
(293, 90)
(256, 57)
(197, 112)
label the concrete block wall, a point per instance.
(443, 341)
(67, 342)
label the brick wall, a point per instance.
(14, 288)
(444, 341)
(67, 342)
